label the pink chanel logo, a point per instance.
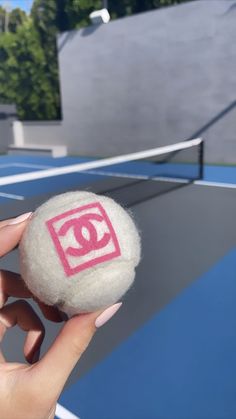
(83, 237)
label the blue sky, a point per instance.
(22, 4)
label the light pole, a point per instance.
(105, 4)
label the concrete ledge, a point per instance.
(51, 150)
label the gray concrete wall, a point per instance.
(151, 79)
(44, 132)
(7, 115)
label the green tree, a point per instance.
(28, 51)
(9, 22)
(2, 19)
(129, 7)
(50, 17)
(58, 16)
(16, 18)
(23, 79)
(44, 17)
(76, 13)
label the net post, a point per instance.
(201, 159)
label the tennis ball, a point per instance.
(79, 252)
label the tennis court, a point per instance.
(170, 351)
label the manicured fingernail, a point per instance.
(2, 299)
(20, 219)
(107, 314)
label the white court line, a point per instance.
(63, 413)
(27, 165)
(32, 166)
(12, 196)
(164, 179)
(115, 174)
(26, 177)
(141, 177)
(215, 184)
(2, 166)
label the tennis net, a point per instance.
(181, 161)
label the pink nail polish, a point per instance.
(20, 219)
(107, 315)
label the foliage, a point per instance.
(2, 18)
(16, 19)
(28, 51)
(23, 79)
(11, 21)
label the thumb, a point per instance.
(56, 365)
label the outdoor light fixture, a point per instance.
(99, 16)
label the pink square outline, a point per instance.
(68, 270)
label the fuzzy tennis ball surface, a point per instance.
(79, 252)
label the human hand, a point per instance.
(31, 391)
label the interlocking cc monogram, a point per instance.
(93, 233)
(88, 243)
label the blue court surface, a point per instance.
(177, 368)
(180, 362)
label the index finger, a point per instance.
(12, 285)
(16, 219)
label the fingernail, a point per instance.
(2, 299)
(20, 219)
(107, 315)
(36, 356)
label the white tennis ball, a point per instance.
(79, 252)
